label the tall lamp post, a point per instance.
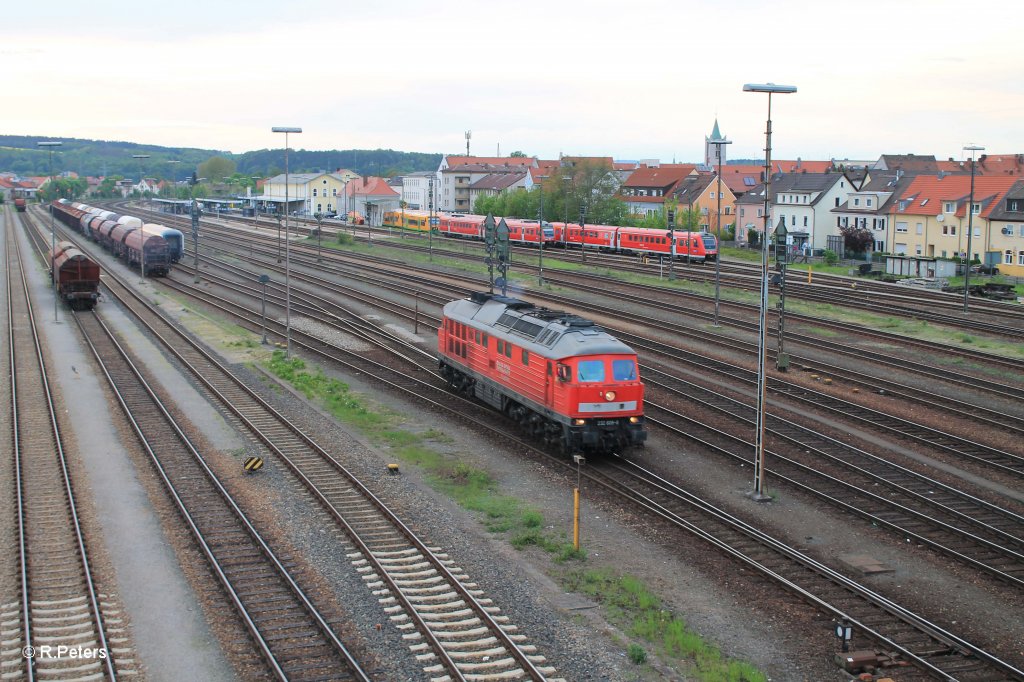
(973, 149)
(53, 233)
(719, 143)
(762, 349)
(142, 229)
(287, 270)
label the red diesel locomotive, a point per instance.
(565, 380)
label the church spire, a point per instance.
(715, 134)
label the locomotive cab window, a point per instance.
(564, 373)
(590, 370)
(623, 370)
(485, 340)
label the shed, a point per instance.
(919, 266)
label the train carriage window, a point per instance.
(501, 347)
(508, 349)
(623, 370)
(526, 357)
(590, 370)
(485, 340)
(476, 337)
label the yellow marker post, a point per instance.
(580, 461)
(576, 519)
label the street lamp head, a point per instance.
(140, 156)
(49, 144)
(769, 88)
(285, 129)
(973, 148)
(721, 141)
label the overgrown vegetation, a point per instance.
(631, 606)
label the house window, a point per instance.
(1008, 257)
(805, 221)
(947, 207)
(743, 212)
(1020, 258)
(952, 229)
(330, 208)
(728, 210)
(314, 191)
(945, 229)
(837, 202)
(901, 227)
(920, 228)
(856, 201)
(1014, 204)
(334, 191)
(869, 202)
(712, 195)
(917, 250)
(319, 208)
(975, 209)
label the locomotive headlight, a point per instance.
(609, 395)
(579, 422)
(634, 420)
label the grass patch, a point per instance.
(639, 612)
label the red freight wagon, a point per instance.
(77, 276)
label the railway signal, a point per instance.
(503, 254)
(489, 241)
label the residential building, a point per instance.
(872, 206)
(701, 192)
(930, 217)
(457, 173)
(416, 190)
(1000, 164)
(803, 202)
(496, 183)
(1006, 232)
(645, 190)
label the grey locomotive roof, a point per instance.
(549, 333)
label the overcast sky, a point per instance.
(630, 79)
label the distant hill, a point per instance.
(20, 154)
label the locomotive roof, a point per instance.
(551, 333)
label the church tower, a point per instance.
(712, 150)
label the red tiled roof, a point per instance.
(663, 176)
(800, 166)
(371, 186)
(493, 160)
(927, 192)
(624, 165)
(1003, 164)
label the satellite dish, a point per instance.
(940, 217)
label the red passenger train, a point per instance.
(695, 246)
(566, 381)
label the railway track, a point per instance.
(907, 635)
(977, 533)
(451, 625)
(62, 627)
(927, 437)
(648, 296)
(946, 656)
(296, 641)
(941, 654)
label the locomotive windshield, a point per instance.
(590, 370)
(709, 240)
(623, 370)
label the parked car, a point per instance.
(985, 269)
